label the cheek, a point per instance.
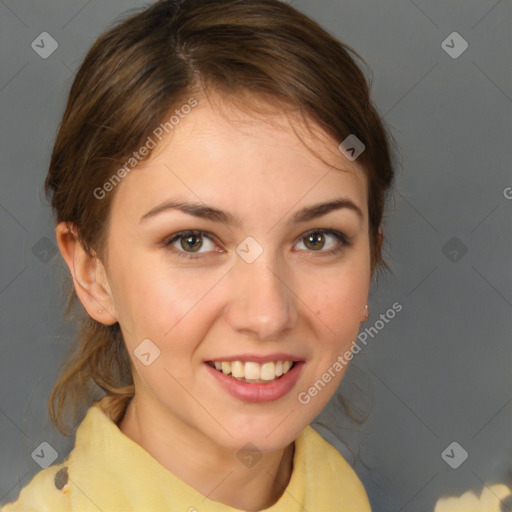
(155, 305)
(160, 302)
(337, 301)
(340, 298)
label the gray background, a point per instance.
(436, 373)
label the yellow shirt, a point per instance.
(106, 471)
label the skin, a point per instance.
(293, 298)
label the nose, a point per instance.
(262, 302)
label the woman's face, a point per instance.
(262, 284)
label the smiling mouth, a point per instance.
(252, 372)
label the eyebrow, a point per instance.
(204, 211)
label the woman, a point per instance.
(219, 179)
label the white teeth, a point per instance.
(268, 371)
(251, 370)
(237, 369)
(254, 371)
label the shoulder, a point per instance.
(323, 452)
(325, 462)
(48, 491)
(51, 489)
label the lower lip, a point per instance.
(258, 392)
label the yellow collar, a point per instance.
(108, 471)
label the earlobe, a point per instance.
(89, 276)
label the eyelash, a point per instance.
(342, 239)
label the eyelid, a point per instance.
(166, 242)
(343, 241)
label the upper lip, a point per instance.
(281, 356)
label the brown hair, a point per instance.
(146, 66)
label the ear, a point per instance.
(89, 276)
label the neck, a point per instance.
(210, 469)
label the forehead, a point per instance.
(219, 152)
(216, 122)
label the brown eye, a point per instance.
(316, 241)
(193, 242)
(190, 242)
